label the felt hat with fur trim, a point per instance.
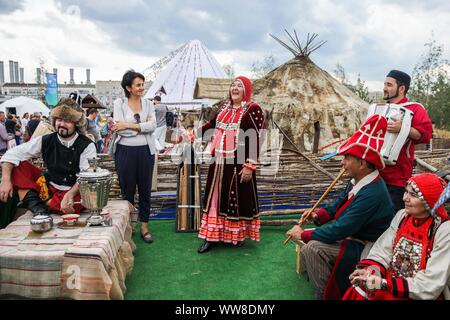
(67, 109)
(366, 143)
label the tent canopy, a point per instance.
(179, 77)
(22, 105)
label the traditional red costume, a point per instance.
(230, 208)
(412, 255)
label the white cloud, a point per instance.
(192, 15)
(367, 37)
(63, 40)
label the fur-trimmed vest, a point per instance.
(62, 163)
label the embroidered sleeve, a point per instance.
(398, 287)
(252, 138)
(322, 217)
(366, 263)
(307, 236)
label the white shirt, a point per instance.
(362, 183)
(147, 124)
(138, 139)
(24, 122)
(33, 149)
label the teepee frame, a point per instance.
(297, 49)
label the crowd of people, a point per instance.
(15, 130)
(386, 236)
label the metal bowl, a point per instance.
(95, 220)
(70, 219)
(41, 223)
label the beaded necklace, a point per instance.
(231, 126)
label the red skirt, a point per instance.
(216, 228)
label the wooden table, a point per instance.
(72, 263)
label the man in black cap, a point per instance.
(396, 86)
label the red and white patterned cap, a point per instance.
(366, 143)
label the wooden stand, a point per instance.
(300, 264)
(188, 193)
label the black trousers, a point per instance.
(396, 196)
(134, 166)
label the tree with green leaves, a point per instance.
(439, 102)
(430, 84)
(361, 90)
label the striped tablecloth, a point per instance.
(78, 263)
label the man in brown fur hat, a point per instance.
(64, 152)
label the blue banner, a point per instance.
(51, 95)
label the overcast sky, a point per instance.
(368, 37)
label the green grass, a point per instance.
(171, 269)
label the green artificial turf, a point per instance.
(171, 269)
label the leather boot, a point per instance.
(206, 246)
(32, 202)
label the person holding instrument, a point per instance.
(359, 215)
(396, 86)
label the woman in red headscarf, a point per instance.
(411, 260)
(230, 207)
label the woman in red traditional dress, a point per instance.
(411, 260)
(230, 206)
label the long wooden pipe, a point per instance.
(308, 213)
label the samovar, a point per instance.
(95, 184)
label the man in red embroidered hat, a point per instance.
(396, 86)
(411, 260)
(360, 214)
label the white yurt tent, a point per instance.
(178, 78)
(22, 105)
